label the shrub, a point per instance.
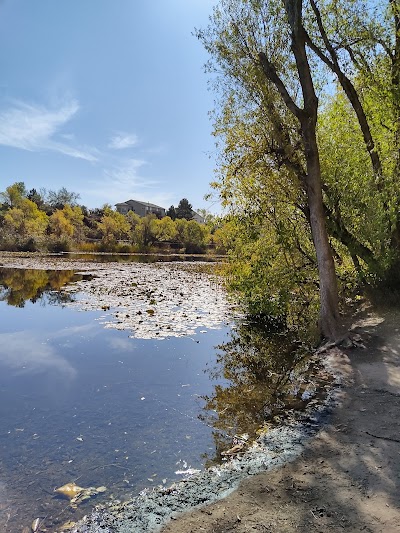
(59, 245)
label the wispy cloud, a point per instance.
(34, 128)
(123, 140)
(127, 175)
(126, 181)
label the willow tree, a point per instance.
(360, 44)
(260, 47)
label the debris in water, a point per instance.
(68, 525)
(35, 525)
(188, 472)
(76, 494)
(234, 450)
(70, 490)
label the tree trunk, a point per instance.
(307, 117)
(349, 89)
(329, 306)
(395, 93)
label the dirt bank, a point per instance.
(348, 476)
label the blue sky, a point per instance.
(107, 98)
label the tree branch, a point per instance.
(350, 91)
(270, 72)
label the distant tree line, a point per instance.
(54, 221)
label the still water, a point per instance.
(81, 403)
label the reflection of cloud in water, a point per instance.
(121, 344)
(87, 330)
(22, 352)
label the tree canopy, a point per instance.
(184, 209)
(308, 146)
(28, 222)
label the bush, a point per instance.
(8, 246)
(59, 245)
(29, 246)
(193, 248)
(88, 247)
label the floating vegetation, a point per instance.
(152, 300)
(157, 300)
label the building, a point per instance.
(140, 208)
(198, 218)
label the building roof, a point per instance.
(147, 204)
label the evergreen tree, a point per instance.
(184, 210)
(171, 213)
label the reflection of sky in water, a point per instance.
(80, 401)
(34, 356)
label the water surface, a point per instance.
(102, 407)
(82, 403)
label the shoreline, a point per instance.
(153, 508)
(279, 450)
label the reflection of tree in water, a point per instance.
(19, 285)
(267, 374)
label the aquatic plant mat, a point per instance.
(152, 300)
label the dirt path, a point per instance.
(348, 478)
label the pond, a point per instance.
(88, 398)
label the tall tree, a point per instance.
(145, 231)
(13, 195)
(113, 226)
(25, 221)
(261, 50)
(58, 199)
(164, 229)
(171, 213)
(37, 197)
(360, 44)
(184, 210)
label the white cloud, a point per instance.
(123, 140)
(125, 181)
(126, 175)
(33, 128)
(122, 345)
